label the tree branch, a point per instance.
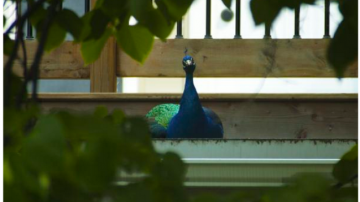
(40, 49)
(9, 64)
(25, 72)
(26, 15)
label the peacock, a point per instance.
(187, 120)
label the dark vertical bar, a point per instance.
(18, 16)
(267, 31)
(297, 22)
(60, 7)
(208, 20)
(87, 6)
(327, 19)
(179, 30)
(237, 20)
(29, 31)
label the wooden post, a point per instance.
(103, 71)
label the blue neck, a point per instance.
(190, 103)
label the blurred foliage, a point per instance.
(347, 168)
(79, 157)
(266, 11)
(343, 49)
(63, 156)
(302, 188)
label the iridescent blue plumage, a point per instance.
(192, 120)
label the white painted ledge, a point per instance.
(251, 163)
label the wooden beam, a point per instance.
(65, 62)
(214, 58)
(103, 71)
(169, 97)
(243, 116)
(235, 58)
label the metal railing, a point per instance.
(267, 35)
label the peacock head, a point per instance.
(188, 64)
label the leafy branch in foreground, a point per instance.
(78, 157)
(81, 157)
(108, 18)
(63, 156)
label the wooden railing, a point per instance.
(244, 116)
(215, 58)
(285, 116)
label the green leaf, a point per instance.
(169, 175)
(207, 197)
(347, 167)
(343, 48)
(173, 166)
(23, 179)
(101, 111)
(4, 21)
(303, 187)
(8, 175)
(97, 163)
(95, 24)
(151, 18)
(56, 35)
(17, 124)
(265, 11)
(91, 50)
(38, 16)
(136, 41)
(118, 116)
(176, 8)
(8, 45)
(99, 22)
(158, 25)
(227, 3)
(70, 22)
(44, 149)
(13, 89)
(86, 29)
(99, 4)
(162, 7)
(139, 9)
(114, 8)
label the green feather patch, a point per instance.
(163, 113)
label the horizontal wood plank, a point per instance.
(65, 62)
(243, 116)
(214, 58)
(119, 97)
(235, 58)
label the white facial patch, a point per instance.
(188, 62)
